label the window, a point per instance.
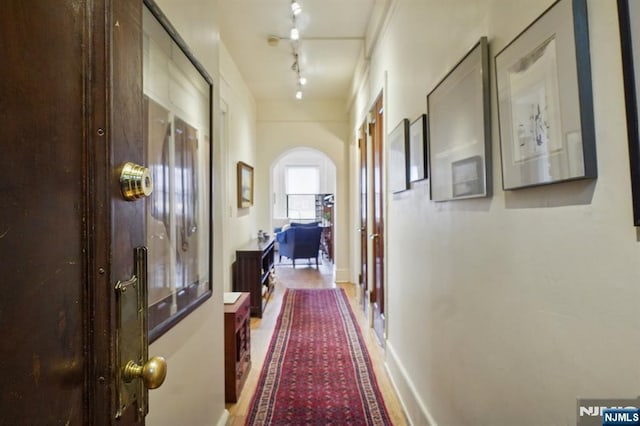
(302, 180)
(301, 183)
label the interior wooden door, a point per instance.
(125, 220)
(377, 227)
(362, 229)
(43, 199)
(71, 113)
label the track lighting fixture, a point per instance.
(295, 7)
(295, 35)
(296, 68)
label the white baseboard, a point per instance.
(413, 406)
(224, 418)
(342, 276)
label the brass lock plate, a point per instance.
(132, 343)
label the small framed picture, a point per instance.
(245, 185)
(397, 155)
(418, 149)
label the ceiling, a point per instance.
(331, 39)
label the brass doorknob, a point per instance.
(374, 236)
(152, 372)
(135, 181)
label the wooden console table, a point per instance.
(254, 272)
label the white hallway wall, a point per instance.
(239, 144)
(505, 310)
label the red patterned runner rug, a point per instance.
(317, 369)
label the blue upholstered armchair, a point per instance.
(299, 242)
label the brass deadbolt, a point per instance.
(135, 182)
(152, 373)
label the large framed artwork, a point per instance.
(418, 149)
(629, 17)
(177, 140)
(397, 154)
(460, 129)
(545, 103)
(245, 185)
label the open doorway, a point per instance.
(303, 183)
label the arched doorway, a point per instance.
(303, 188)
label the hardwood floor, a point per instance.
(307, 276)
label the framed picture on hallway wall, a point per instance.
(418, 149)
(177, 146)
(245, 185)
(460, 129)
(629, 17)
(545, 103)
(398, 178)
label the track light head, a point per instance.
(295, 7)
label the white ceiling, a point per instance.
(331, 39)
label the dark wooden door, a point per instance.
(70, 108)
(377, 231)
(362, 145)
(125, 221)
(42, 209)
